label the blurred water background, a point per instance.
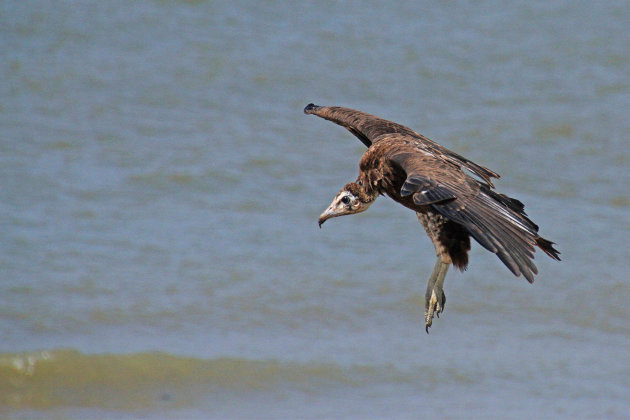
(160, 187)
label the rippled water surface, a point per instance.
(160, 187)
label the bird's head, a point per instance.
(350, 200)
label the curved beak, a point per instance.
(327, 214)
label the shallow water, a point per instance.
(159, 249)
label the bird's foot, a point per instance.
(435, 297)
(434, 306)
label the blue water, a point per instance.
(160, 188)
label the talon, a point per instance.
(428, 321)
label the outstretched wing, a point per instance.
(368, 128)
(496, 221)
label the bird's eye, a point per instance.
(345, 199)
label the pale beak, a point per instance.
(330, 212)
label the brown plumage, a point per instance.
(451, 205)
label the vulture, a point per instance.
(451, 205)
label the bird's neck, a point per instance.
(365, 190)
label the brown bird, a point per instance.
(451, 205)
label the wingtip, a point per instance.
(311, 108)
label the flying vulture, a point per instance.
(451, 205)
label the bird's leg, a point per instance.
(435, 299)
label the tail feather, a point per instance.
(547, 247)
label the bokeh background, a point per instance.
(160, 187)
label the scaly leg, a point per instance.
(435, 299)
